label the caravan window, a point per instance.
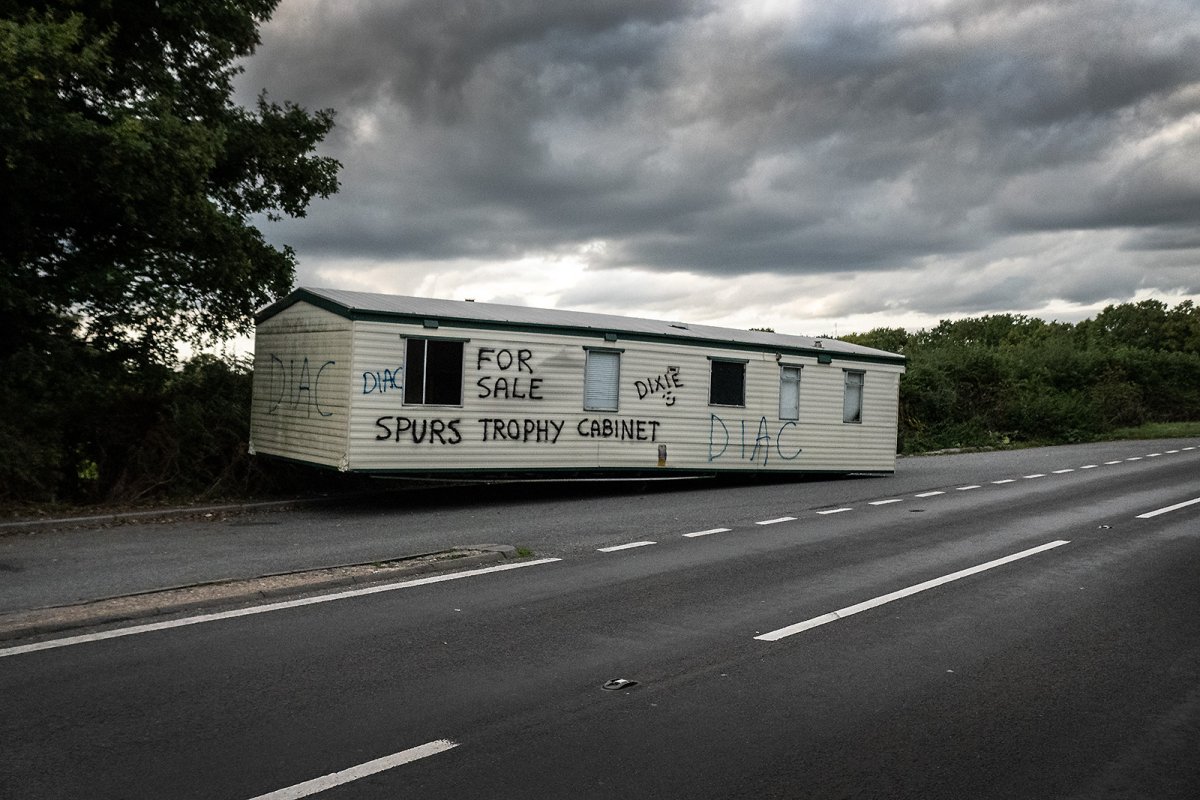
(789, 392)
(601, 380)
(852, 400)
(727, 383)
(433, 372)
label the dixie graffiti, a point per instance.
(663, 386)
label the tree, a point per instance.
(130, 182)
(129, 178)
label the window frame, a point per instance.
(712, 362)
(616, 387)
(799, 370)
(860, 387)
(424, 392)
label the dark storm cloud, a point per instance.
(721, 139)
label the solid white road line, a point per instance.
(707, 533)
(885, 502)
(928, 494)
(775, 521)
(615, 548)
(263, 609)
(361, 771)
(799, 627)
(834, 510)
(1168, 509)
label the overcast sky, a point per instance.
(808, 166)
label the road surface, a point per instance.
(995, 626)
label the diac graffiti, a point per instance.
(761, 442)
(297, 385)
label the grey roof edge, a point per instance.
(369, 305)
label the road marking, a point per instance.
(617, 547)
(1089, 466)
(708, 533)
(775, 521)
(1189, 448)
(1006, 480)
(361, 771)
(116, 633)
(1153, 455)
(834, 510)
(885, 502)
(928, 494)
(1135, 458)
(1061, 471)
(1168, 509)
(1110, 463)
(968, 488)
(841, 613)
(1172, 452)
(1036, 475)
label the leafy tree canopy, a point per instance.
(129, 177)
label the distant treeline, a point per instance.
(78, 425)
(1006, 379)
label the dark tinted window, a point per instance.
(727, 384)
(433, 372)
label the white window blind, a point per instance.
(601, 380)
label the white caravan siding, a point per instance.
(538, 421)
(302, 375)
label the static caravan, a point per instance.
(388, 385)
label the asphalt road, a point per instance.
(995, 626)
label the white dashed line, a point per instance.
(1153, 455)
(1110, 463)
(1134, 458)
(928, 494)
(834, 510)
(707, 533)
(967, 488)
(1172, 452)
(799, 627)
(775, 521)
(615, 548)
(1061, 471)
(1006, 480)
(885, 502)
(361, 771)
(1089, 466)
(1189, 448)
(1168, 509)
(1036, 475)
